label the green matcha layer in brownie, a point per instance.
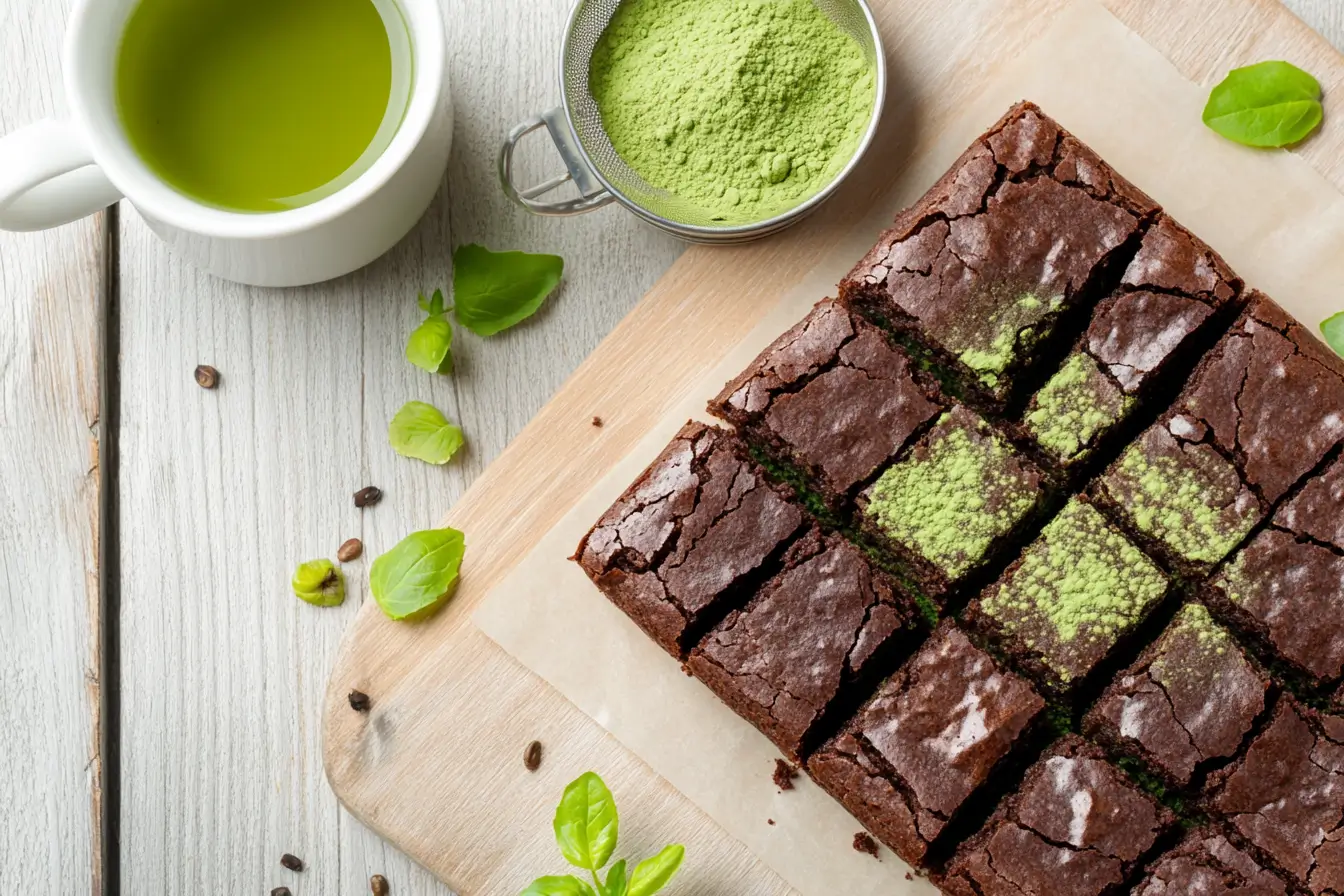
(1075, 593)
(952, 503)
(1260, 414)
(1027, 231)
(1146, 334)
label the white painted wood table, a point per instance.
(160, 688)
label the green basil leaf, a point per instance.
(616, 879)
(586, 823)
(430, 346)
(320, 583)
(418, 573)
(651, 875)
(1267, 104)
(421, 431)
(1332, 328)
(492, 291)
(569, 885)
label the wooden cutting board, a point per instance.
(436, 766)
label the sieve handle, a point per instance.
(592, 194)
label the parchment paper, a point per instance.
(1278, 223)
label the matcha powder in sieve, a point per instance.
(743, 107)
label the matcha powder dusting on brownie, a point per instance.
(743, 107)
(1074, 407)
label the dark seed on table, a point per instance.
(378, 885)
(597, 421)
(367, 497)
(784, 775)
(292, 862)
(865, 843)
(350, 549)
(770, 821)
(532, 756)
(207, 377)
(359, 701)
(281, 891)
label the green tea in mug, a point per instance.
(262, 105)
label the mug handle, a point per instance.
(593, 195)
(48, 178)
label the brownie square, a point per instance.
(931, 736)
(1261, 412)
(952, 502)
(1285, 796)
(1191, 698)
(832, 398)
(693, 532)
(811, 635)
(1285, 588)
(1020, 233)
(1206, 863)
(1076, 592)
(1077, 825)
(1144, 333)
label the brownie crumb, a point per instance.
(597, 421)
(864, 843)
(292, 862)
(908, 876)
(770, 821)
(532, 756)
(784, 775)
(359, 701)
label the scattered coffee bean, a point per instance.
(865, 843)
(292, 862)
(367, 497)
(532, 756)
(784, 775)
(207, 377)
(359, 701)
(378, 885)
(350, 549)
(281, 891)
(770, 821)
(597, 421)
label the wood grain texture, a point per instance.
(51, 306)
(451, 713)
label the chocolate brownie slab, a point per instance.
(816, 629)
(1263, 409)
(1191, 698)
(1077, 826)
(832, 398)
(1285, 588)
(1140, 335)
(1205, 863)
(1076, 592)
(1285, 796)
(1022, 231)
(679, 547)
(932, 735)
(952, 503)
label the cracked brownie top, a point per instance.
(1192, 697)
(1012, 236)
(1285, 796)
(1205, 863)
(699, 523)
(930, 737)
(1284, 587)
(1168, 292)
(1077, 826)
(816, 625)
(1075, 592)
(832, 397)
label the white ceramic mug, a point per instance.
(54, 172)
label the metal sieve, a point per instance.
(602, 177)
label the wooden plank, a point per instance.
(51, 305)
(222, 493)
(451, 713)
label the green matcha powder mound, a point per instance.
(1079, 587)
(743, 107)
